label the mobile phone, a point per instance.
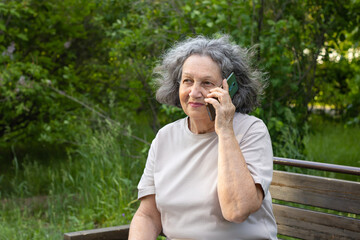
(233, 85)
(233, 88)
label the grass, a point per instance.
(95, 186)
(332, 142)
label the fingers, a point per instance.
(225, 85)
(212, 101)
(222, 94)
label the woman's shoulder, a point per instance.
(170, 132)
(175, 126)
(244, 122)
(246, 119)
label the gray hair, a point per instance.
(230, 58)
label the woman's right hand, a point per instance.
(224, 107)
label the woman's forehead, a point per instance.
(196, 64)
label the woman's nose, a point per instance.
(196, 91)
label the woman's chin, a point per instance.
(196, 116)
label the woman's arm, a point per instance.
(146, 223)
(238, 194)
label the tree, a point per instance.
(44, 45)
(61, 58)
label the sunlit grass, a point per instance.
(333, 143)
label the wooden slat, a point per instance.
(316, 191)
(306, 224)
(110, 233)
(317, 165)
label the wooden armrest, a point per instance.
(109, 233)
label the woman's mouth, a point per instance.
(196, 104)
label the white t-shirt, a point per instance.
(181, 170)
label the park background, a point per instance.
(77, 106)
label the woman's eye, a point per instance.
(186, 81)
(208, 84)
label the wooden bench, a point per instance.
(305, 206)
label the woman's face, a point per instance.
(199, 75)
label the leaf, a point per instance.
(22, 36)
(2, 27)
(270, 22)
(210, 24)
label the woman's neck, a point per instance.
(201, 126)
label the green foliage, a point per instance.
(106, 60)
(77, 76)
(39, 50)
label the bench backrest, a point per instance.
(311, 207)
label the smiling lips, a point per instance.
(196, 104)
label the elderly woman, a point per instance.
(207, 179)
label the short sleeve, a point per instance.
(257, 151)
(146, 185)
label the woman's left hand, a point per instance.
(224, 108)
